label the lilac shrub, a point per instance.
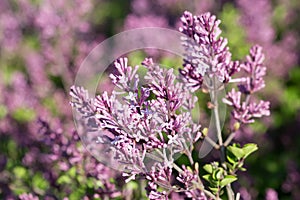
(41, 45)
(150, 125)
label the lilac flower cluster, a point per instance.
(159, 176)
(150, 124)
(245, 111)
(43, 42)
(153, 122)
(189, 178)
(143, 118)
(207, 52)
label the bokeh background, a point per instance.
(42, 44)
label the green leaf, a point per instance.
(50, 104)
(249, 148)
(237, 151)
(40, 184)
(231, 158)
(90, 183)
(20, 172)
(72, 172)
(207, 177)
(229, 166)
(77, 194)
(227, 180)
(240, 165)
(132, 185)
(24, 115)
(217, 174)
(64, 179)
(243, 169)
(214, 190)
(18, 189)
(208, 168)
(99, 183)
(3, 111)
(80, 178)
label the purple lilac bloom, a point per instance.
(159, 176)
(257, 20)
(137, 122)
(207, 52)
(292, 180)
(65, 154)
(143, 116)
(271, 194)
(255, 70)
(245, 194)
(134, 21)
(10, 27)
(28, 197)
(43, 52)
(246, 111)
(189, 178)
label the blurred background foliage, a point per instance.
(42, 44)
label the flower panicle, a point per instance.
(138, 122)
(81, 101)
(255, 69)
(244, 111)
(126, 79)
(207, 52)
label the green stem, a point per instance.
(209, 140)
(230, 193)
(229, 190)
(216, 113)
(229, 139)
(177, 168)
(188, 153)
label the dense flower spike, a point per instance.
(143, 128)
(245, 112)
(81, 101)
(206, 52)
(255, 70)
(189, 178)
(159, 176)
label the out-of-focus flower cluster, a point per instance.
(66, 155)
(42, 43)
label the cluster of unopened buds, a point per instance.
(150, 125)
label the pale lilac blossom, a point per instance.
(137, 122)
(207, 52)
(245, 112)
(255, 71)
(271, 194)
